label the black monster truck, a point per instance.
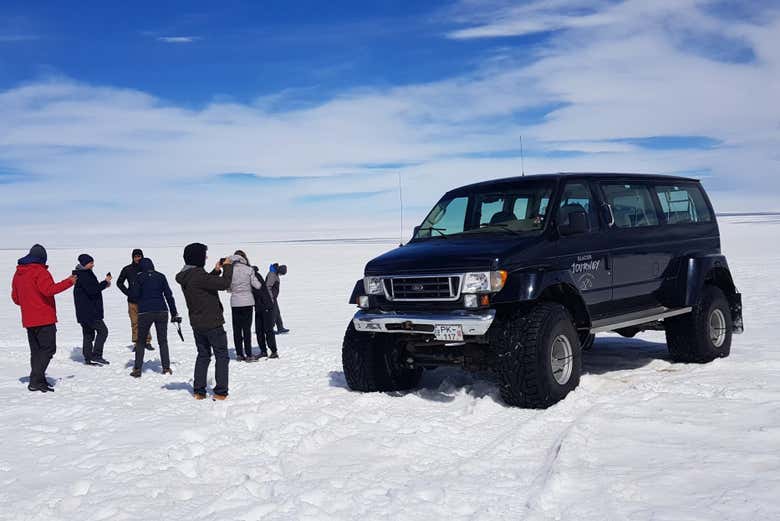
(517, 276)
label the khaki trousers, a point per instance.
(132, 310)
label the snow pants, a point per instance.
(94, 338)
(208, 341)
(242, 330)
(43, 345)
(160, 321)
(264, 329)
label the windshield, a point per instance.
(518, 209)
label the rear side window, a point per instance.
(683, 204)
(632, 205)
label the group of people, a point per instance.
(151, 303)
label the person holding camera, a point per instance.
(150, 291)
(272, 280)
(33, 290)
(242, 303)
(206, 316)
(265, 316)
(88, 298)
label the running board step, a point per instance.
(637, 318)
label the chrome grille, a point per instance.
(444, 287)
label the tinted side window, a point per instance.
(632, 205)
(683, 204)
(577, 197)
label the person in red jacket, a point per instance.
(33, 289)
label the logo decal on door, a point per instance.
(583, 270)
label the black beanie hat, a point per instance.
(195, 254)
(85, 259)
(39, 252)
(138, 251)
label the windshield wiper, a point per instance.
(501, 226)
(440, 231)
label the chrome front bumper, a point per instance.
(475, 323)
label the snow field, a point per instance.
(641, 438)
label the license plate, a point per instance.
(448, 333)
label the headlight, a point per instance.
(484, 281)
(373, 285)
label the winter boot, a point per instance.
(273, 354)
(136, 373)
(220, 397)
(199, 396)
(149, 347)
(167, 370)
(101, 360)
(35, 387)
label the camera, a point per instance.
(222, 260)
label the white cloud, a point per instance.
(619, 73)
(178, 39)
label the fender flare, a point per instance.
(357, 291)
(557, 286)
(699, 270)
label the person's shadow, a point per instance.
(607, 355)
(179, 386)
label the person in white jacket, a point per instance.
(242, 305)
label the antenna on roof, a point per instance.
(522, 159)
(401, 204)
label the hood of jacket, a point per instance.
(186, 273)
(146, 264)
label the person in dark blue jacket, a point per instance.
(88, 297)
(151, 292)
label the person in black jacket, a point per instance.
(265, 316)
(151, 292)
(205, 310)
(88, 298)
(124, 283)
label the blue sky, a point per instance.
(280, 109)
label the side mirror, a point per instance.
(578, 223)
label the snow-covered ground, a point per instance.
(642, 438)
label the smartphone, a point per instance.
(222, 260)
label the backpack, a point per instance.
(262, 295)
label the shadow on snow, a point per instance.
(446, 383)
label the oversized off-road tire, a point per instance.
(704, 334)
(372, 362)
(538, 356)
(586, 341)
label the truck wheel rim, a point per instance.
(561, 359)
(717, 327)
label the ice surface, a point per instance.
(641, 438)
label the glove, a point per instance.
(176, 319)
(255, 268)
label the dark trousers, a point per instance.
(206, 341)
(278, 316)
(43, 345)
(145, 321)
(96, 332)
(242, 330)
(264, 329)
